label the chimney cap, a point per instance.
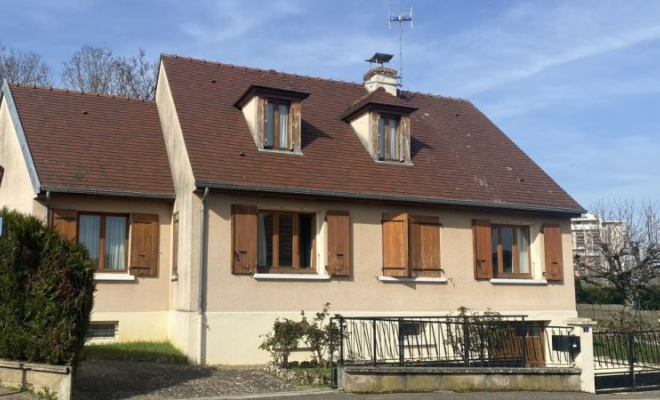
(380, 58)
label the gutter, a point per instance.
(386, 197)
(103, 192)
(201, 359)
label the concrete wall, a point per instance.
(609, 311)
(16, 191)
(422, 379)
(41, 378)
(240, 307)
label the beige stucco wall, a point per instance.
(184, 290)
(240, 308)
(360, 126)
(147, 294)
(16, 191)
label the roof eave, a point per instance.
(109, 193)
(387, 197)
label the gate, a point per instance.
(626, 361)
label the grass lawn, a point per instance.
(136, 351)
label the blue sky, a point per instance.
(576, 84)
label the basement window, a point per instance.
(102, 330)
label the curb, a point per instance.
(267, 395)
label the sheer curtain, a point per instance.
(89, 233)
(115, 239)
(394, 142)
(523, 251)
(284, 126)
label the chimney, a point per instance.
(381, 76)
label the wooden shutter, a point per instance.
(339, 243)
(395, 244)
(65, 222)
(261, 122)
(244, 239)
(144, 244)
(482, 238)
(296, 125)
(374, 132)
(424, 233)
(404, 125)
(554, 265)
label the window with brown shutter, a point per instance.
(144, 245)
(339, 243)
(554, 265)
(481, 237)
(244, 239)
(65, 222)
(424, 246)
(395, 245)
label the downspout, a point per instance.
(201, 360)
(47, 208)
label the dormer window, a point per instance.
(274, 117)
(278, 124)
(390, 140)
(382, 123)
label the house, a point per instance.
(276, 193)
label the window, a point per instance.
(102, 330)
(389, 138)
(579, 240)
(276, 241)
(285, 241)
(503, 251)
(510, 251)
(105, 237)
(411, 246)
(278, 134)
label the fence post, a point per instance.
(583, 328)
(341, 340)
(375, 341)
(466, 342)
(631, 359)
(524, 343)
(402, 356)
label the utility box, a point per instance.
(574, 344)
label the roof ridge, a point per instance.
(256, 69)
(289, 74)
(81, 92)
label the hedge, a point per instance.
(46, 293)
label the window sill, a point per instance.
(282, 151)
(519, 281)
(419, 279)
(100, 276)
(291, 277)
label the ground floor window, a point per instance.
(285, 241)
(105, 237)
(510, 251)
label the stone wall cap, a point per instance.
(581, 322)
(378, 370)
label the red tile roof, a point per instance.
(459, 156)
(89, 142)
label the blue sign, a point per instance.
(585, 329)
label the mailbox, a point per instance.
(574, 344)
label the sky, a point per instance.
(575, 84)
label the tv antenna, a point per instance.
(400, 16)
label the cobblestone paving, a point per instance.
(114, 380)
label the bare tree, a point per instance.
(136, 76)
(628, 247)
(25, 67)
(97, 70)
(90, 69)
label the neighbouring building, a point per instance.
(587, 232)
(240, 195)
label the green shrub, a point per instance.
(283, 340)
(586, 293)
(46, 293)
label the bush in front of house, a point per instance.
(46, 293)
